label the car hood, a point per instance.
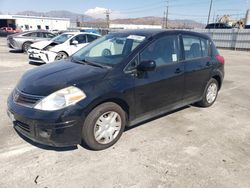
(40, 45)
(49, 78)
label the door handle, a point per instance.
(178, 71)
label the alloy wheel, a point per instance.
(211, 93)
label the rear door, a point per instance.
(198, 65)
(163, 87)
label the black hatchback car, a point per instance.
(118, 80)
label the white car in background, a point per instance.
(59, 47)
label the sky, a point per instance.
(178, 9)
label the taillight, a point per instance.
(220, 59)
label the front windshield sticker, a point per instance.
(136, 37)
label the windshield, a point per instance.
(61, 38)
(109, 50)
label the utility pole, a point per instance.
(166, 18)
(107, 17)
(208, 18)
(82, 24)
(163, 20)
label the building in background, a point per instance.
(26, 23)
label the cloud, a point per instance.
(99, 12)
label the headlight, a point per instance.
(61, 99)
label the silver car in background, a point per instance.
(22, 41)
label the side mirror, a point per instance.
(74, 42)
(146, 66)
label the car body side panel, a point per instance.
(197, 73)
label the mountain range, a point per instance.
(90, 21)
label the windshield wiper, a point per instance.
(94, 64)
(84, 61)
(77, 61)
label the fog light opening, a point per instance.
(45, 133)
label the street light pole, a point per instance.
(208, 18)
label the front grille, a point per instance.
(23, 126)
(25, 99)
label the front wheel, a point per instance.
(210, 94)
(103, 126)
(61, 55)
(26, 46)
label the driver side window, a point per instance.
(163, 51)
(80, 39)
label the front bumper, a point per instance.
(41, 56)
(57, 128)
(11, 43)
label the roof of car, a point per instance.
(38, 30)
(78, 32)
(153, 32)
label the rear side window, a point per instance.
(192, 47)
(40, 35)
(163, 51)
(33, 34)
(195, 47)
(91, 37)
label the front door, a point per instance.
(82, 41)
(159, 89)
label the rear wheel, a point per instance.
(210, 93)
(26, 46)
(61, 55)
(104, 126)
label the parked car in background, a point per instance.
(59, 47)
(119, 80)
(218, 26)
(10, 30)
(22, 41)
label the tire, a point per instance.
(208, 100)
(97, 125)
(106, 52)
(61, 55)
(26, 46)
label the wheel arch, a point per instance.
(117, 100)
(63, 52)
(218, 79)
(25, 43)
